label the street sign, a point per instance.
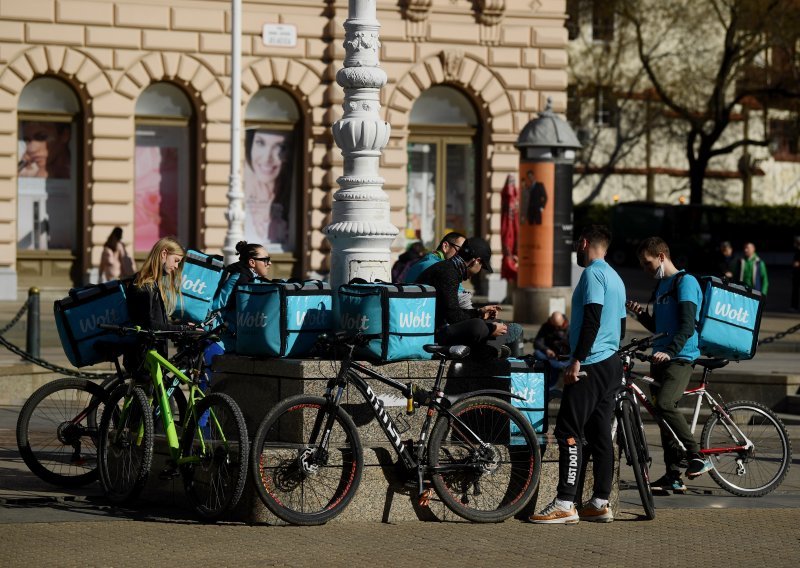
(279, 35)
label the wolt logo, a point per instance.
(91, 322)
(197, 286)
(415, 321)
(727, 311)
(251, 320)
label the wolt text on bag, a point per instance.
(282, 319)
(199, 282)
(402, 316)
(79, 316)
(729, 319)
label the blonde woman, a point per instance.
(156, 289)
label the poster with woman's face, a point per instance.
(46, 185)
(268, 188)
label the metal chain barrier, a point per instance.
(781, 335)
(16, 318)
(41, 362)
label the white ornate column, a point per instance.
(360, 232)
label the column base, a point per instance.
(534, 305)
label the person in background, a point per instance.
(751, 270)
(795, 307)
(448, 247)
(726, 261)
(587, 407)
(115, 262)
(552, 343)
(414, 252)
(677, 299)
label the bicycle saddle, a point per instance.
(711, 363)
(448, 351)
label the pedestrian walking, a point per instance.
(115, 262)
(751, 270)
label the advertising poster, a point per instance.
(268, 194)
(156, 195)
(46, 185)
(536, 221)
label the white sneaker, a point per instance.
(555, 514)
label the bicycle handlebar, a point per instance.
(124, 330)
(640, 344)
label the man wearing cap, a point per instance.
(454, 324)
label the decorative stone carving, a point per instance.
(416, 10)
(489, 12)
(452, 62)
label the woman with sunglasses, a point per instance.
(253, 265)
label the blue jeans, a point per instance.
(555, 365)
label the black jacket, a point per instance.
(147, 309)
(445, 277)
(551, 337)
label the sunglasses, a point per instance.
(454, 245)
(264, 259)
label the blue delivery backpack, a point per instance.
(199, 282)
(282, 319)
(729, 319)
(401, 316)
(79, 315)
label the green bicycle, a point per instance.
(212, 452)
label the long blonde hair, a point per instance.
(152, 273)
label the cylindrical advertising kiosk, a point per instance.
(547, 149)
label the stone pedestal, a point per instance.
(534, 305)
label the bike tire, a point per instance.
(57, 431)
(637, 453)
(295, 482)
(503, 476)
(765, 465)
(125, 445)
(216, 433)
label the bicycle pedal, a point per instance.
(425, 498)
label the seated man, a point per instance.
(455, 325)
(449, 246)
(552, 342)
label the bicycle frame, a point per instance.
(436, 401)
(702, 394)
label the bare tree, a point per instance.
(700, 56)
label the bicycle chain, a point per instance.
(781, 335)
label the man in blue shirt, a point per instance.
(676, 300)
(585, 416)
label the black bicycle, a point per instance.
(481, 456)
(58, 424)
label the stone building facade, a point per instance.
(133, 100)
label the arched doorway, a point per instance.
(442, 193)
(272, 180)
(165, 166)
(49, 185)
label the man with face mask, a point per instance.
(676, 301)
(587, 405)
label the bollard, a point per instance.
(33, 338)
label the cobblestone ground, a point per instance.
(715, 537)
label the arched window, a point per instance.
(272, 168)
(47, 168)
(164, 166)
(442, 166)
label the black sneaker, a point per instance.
(665, 484)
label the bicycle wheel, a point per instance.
(299, 481)
(57, 431)
(758, 470)
(216, 435)
(637, 452)
(125, 444)
(488, 459)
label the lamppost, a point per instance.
(547, 147)
(235, 211)
(360, 232)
